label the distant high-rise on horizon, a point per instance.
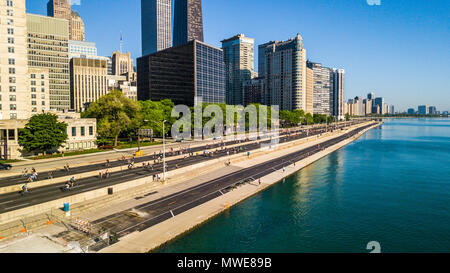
(156, 22)
(188, 21)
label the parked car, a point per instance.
(5, 166)
(179, 140)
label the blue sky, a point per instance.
(399, 49)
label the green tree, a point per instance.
(42, 133)
(153, 113)
(309, 119)
(115, 114)
(347, 117)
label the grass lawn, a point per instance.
(9, 161)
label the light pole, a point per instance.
(139, 137)
(164, 151)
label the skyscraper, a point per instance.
(262, 58)
(309, 91)
(182, 74)
(61, 9)
(238, 54)
(338, 93)
(188, 21)
(156, 21)
(323, 89)
(48, 47)
(379, 103)
(15, 94)
(77, 32)
(285, 74)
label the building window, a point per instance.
(42, 76)
(11, 49)
(10, 40)
(82, 131)
(12, 97)
(11, 134)
(91, 130)
(12, 107)
(12, 70)
(12, 79)
(10, 22)
(11, 61)
(74, 131)
(33, 82)
(9, 3)
(13, 116)
(12, 89)
(33, 102)
(33, 76)
(11, 31)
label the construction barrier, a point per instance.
(83, 225)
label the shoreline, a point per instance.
(156, 237)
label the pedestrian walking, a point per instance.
(259, 181)
(50, 175)
(100, 174)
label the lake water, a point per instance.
(391, 186)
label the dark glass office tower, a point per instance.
(182, 73)
(156, 22)
(188, 21)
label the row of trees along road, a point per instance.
(117, 116)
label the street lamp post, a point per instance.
(164, 151)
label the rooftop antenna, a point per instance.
(121, 42)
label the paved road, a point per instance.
(157, 211)
(13, 201)
(17, 179)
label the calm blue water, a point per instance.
(391, 186)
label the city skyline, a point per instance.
(378, 28)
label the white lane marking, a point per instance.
(172, 214)
(7, 202)
(17, 206)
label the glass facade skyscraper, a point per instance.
(182, 73)
(156, 20)
(188, 21)
(210, 73)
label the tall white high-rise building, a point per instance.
(156, 22)
(238, 55)
(285, 74)
(14, 91)
(323, 93)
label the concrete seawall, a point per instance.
(162, 233)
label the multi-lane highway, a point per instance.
(13, 201)
(157, 211)
(18, 179)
